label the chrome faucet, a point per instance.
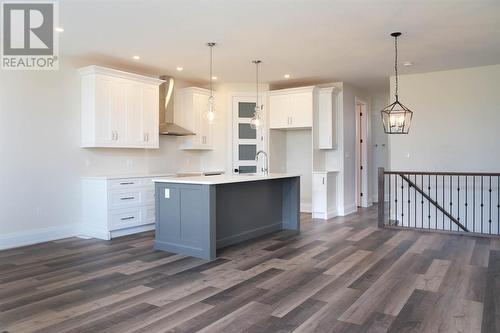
(266, 166)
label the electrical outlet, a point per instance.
(167, 193)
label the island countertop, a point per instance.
(223, 179)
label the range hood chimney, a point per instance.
(167, 125)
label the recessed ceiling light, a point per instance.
(179, 68)
(59, 29)
(286, 76)
(136, 57)
(407, 64)
(214, 78)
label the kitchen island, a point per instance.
(197, 215)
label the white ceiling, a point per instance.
(313, 40)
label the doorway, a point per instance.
(361, 174)
(246, 142)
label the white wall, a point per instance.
(380, 142)
(455, 123)
(348, 146)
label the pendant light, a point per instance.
(256, 121)
(210, 114)
(396, 117)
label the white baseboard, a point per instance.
(17, 239)
(346, 210)
(133, 230)
(94, 233)
(325, 216)
(306, 207)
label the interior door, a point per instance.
(246, 141)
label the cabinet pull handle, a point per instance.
(127, 198)
(127, 183)
(127, 218)
(323, 180)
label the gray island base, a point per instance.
(197, 215)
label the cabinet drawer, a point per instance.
(125, 183)
(124, 218)
(124, 198)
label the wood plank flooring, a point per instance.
(341, 275)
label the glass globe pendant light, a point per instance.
(396, 117)
(210, 114)
(256, 121)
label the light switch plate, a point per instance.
(167, 193)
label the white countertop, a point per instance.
(224, 179)
(136, 175)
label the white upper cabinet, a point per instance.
(119, 109)
(292, 108)
(190, 108)
(327, 125)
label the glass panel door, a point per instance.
(246, 141)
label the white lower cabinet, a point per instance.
(324, 199)
(114, 207)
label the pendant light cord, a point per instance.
(211, 91)
(396, 63)
(257, 83)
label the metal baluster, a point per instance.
(389, 187)
(422, 201)
(474, 203)
(415, 198)
(466, 203)
(409, 201)
(402, 202)
(482, 203)
(396, 197)
(489, 220)
(458, 201)
(443, 201)
(451, 198)
(428, 203)
(436, 185)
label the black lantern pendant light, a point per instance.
(396, 117)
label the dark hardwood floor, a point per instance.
(343, 275)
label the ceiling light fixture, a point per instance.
(407, 64)
(286, 76)
(179, 68)
(136, 57)
(256, 121)
(210, 115)
(214, 78)
(396, 117)
(59, 29)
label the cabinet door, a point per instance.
(279, 111)
(150, 118)
(119, 112)
(319, 196)
(203, 133)
(105, 122)
(301, 109)
(325, 129)
(134, 119)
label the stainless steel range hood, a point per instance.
(167, 125)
